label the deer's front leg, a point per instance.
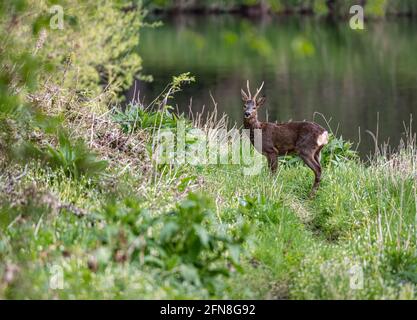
(272, 161)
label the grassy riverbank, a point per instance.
(85, 213)
(104, 238)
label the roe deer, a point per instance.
(306, 139)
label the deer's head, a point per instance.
(251, 104)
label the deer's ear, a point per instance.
(261, 101)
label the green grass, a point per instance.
(296, 247)
(361, 216)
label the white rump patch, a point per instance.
(323, 139)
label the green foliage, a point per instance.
(336, 152)
(376, 8)
(19, 71)
(135, 117)
(173, 87)
(158, 118)
(31, 50)
(98, 55)
(184, 243)
(74, 158)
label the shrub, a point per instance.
(135, 117)
(74, 158)
(336, 152)
(182, 244)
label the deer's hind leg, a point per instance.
(272, 161)
(309, 159)
(317, 155)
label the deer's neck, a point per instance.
(252, 122)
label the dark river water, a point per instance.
(359, 80)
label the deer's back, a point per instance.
(290, 136)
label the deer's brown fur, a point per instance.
(303, 138)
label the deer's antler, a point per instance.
(244, 95)
(258, 91)
(247, 86)
(248, 96)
